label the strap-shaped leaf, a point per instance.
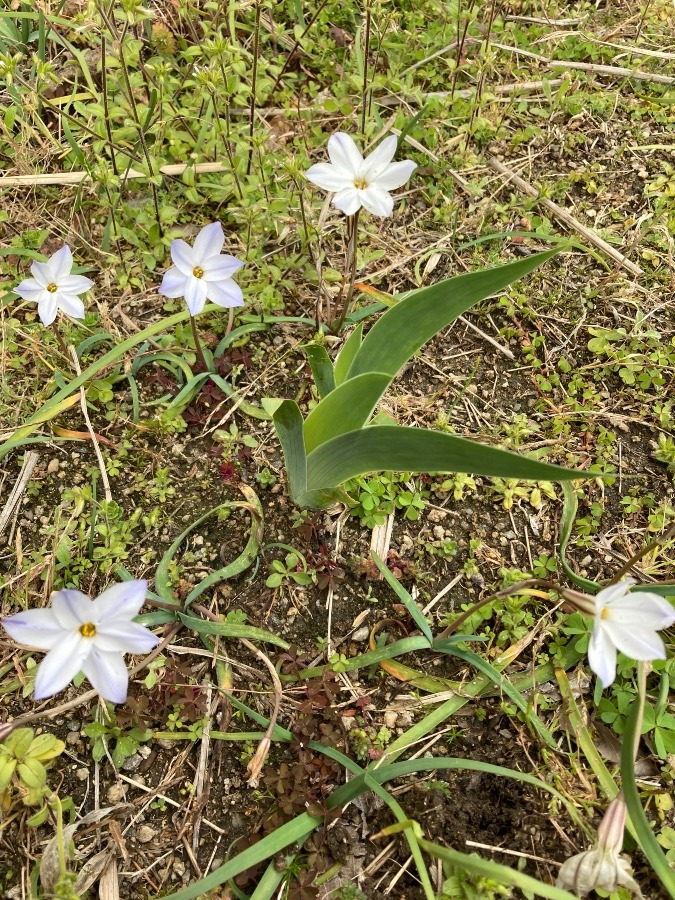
(288, 424)
(347, 354)
(398, 448)
(322, 368)
(346, 408)
(413, 321)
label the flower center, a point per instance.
(198, 272)
(88, 630)
(360, 183)
(604, 613)
(52, 288)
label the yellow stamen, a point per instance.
(88, 630)
(360, 183)
(198, 272)
(604, 613)
(52, 288)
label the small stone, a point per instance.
(72, 737)
(115, 793)
(178, 866)
(145, 834)
(54, 466)
(82, 774)
(132, 763)
(361, 634)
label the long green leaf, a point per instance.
(347, 354)
(232, 629)
(346, 408)
(413, 321)
(487, 868)
(322, 368)
(288, 424)
(398, 448)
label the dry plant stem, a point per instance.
(564, 216)
(172, 170)
(94, 440)
(254, 79)
(636, 557)
(29, 461)
(28, 718)
(350, 268)
(198, 344)
(364, 89)
(59, 338)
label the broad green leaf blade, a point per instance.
(347, 408)
(230, 629)
(398, 448)
(347, 354)
(413, 321)
(322, 368)
(288, 424)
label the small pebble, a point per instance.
(361, 634)
(145, 834)
(115, 793)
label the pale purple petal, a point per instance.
(173, 283)
(377, 201)
(75, 284)
(42, 273)
(47, 308)
(107, 674)
(35, 628)
(379, 159)
(602, 656)
(395, 175)
(29, 289)
(61, 665)
(328, 177)
(124, 637)
(348, 201)
(70, 304)
(61, 263)
(209, 242)
(217, 268)
(183, 256)
(225, 293)
(120, 601)
(344, 154)
(195, 294)
(638, 643)
(72, 609)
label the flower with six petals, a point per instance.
(358, 182)
(202, 272)
(53, 288)
(84, 635)
(626, 621)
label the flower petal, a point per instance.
(61, 263)
(218, 268)
(328, 177)
(183, 256)
(225, 293)
(376, 162)
(71, 305)
(602, 656)
(48, 306)
(173, 283)
(195, 294)
(61, 665)
(35, 628)
(377, 201)
(344, 154)
(395, 175)
(348, 200)
(75, 284)
(638, 643)
(107, 674)
(29, 289)
(120, 601)
(72, 609)
(209, 242)
(124, 637)
(42, 273)
(639, 609)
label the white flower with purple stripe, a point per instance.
(53, 288)
(83, 635)
(202, 272)
(358, 182)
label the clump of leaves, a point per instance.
(174, 691)
(397, 565)
(24, 760)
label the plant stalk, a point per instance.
(198, 345)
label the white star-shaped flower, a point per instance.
(53, 288)
(359, 182)
(627, 621)
(202, 272)
(84, 635)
